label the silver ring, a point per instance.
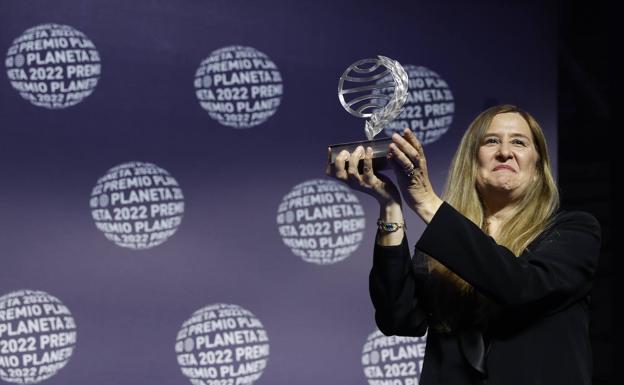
(410, 171)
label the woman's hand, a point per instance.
(378, 186)
(408, 158)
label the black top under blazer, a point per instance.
(540, 334)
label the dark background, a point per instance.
(586, 150)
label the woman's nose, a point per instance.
(504, 152)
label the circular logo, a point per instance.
(53, 66)
(222, 344)
(37, 336)
(137, 205)
(429, 108)
(240, 87)
(321, 221)
(394, 360)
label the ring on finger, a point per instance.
(410, 171)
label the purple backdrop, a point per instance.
(129, 305)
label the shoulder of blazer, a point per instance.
(564, 217)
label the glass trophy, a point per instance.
(363, 90)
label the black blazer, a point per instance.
(540, 335)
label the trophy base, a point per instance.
(379, 146)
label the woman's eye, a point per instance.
(518, 141)
(491, 140)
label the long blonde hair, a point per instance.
(532, 212)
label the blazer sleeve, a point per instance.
(548, 277)
(393, 287)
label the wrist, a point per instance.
(390, 212)
(427, 210)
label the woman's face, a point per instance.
(507, 157)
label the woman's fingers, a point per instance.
(407, 148)
(349, 172)
(400, 158)
(339, 164)
(411, 138)
(378, 186)
(368, 165)
(354, 160)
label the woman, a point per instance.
(500, 278)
